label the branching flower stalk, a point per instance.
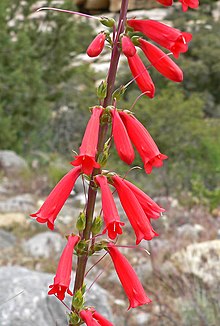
(124, 38)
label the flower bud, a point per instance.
(109, 22)
(119, 92)
(102, 90)
(97, 225)
(74, 318)
(78, 300)
(128, 47)
(96, 46)
(81, 222)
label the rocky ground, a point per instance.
(181, 275)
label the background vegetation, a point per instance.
(45, 93)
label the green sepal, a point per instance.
(106, 117)
(81, 222)
(108, 22)
(97, 225)
(135, 40)
(97, 247)
(119, 92)
(102, 90)
(83, 289)
(78, 300)
(74, 319)
(103, 158)
(81, 248)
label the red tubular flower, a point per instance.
(88, 148)
(128, 47)
(63, 274)
(143, 142)
(151, 209)
(110, 212)
(86, 316)
(141, 75)
(101, 320)
(189, 3)
(166, 36)
(135, 213)
(161, 61)
(56, 199)
(97, 45)
(129, 280)
(122, 141)
(166, 2)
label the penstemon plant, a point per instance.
(107, 118)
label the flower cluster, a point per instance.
(165, 36)
(126, 130)
(128, 134)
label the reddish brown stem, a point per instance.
(82, 260)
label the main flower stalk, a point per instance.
(82, 260)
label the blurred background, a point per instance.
(47, 84)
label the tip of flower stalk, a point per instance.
(108, 22)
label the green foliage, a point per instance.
(201, 309)
(45, 93)
(200, 64)
(181, 131)
(38, 76)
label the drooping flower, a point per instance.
(101, 320)
(151, 209)
(166, 2)
(110, 212)
(88, 148)
(56, 199)
(135, 213)
(127, 46)
(166, 36)
(143, 142)
(63, 274)
(189, 4)
(141, 75)
(161, 61)
(122, 141)
(86, 316)
(97, 45)
(129, 280)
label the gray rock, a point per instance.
(23, 203)
(144, 271)
(44, 245)
(24, 300)
(10, 219)
(6, 239)
(142, 319)
(200, 259)
(11, 162)
(3, 190)
(189, 231)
